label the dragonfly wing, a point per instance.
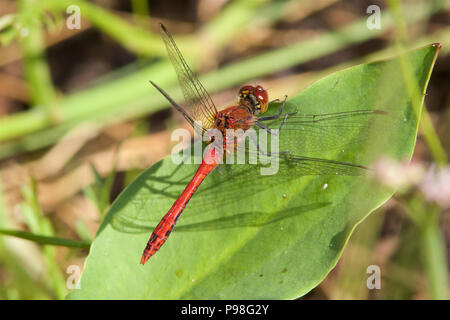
(221, 186)
(250, 179)
(199, 104)
(299, 165)
(305, 141)
(312, 134)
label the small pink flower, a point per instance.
(436, 186)
(398, 175)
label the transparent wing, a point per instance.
(232, 182)
(313, 134)
(199, 104)
(301, 166)
(312, 144)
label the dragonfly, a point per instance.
(248, 112)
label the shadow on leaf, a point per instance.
(246, 219)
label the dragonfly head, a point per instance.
(254, 96)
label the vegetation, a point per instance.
(76, 131)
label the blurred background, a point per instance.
(79, 120)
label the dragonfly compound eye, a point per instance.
(263, 99)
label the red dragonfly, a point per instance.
(253, 101)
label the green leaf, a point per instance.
(247, 236)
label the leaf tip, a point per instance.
(437, 45)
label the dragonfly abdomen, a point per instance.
(167, 223)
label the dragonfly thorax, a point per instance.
(234, 117)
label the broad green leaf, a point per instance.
(247, 236)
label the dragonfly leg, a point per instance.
(273, 101)
(276, 116)
(270, 130)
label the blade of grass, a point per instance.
(432, 246)
(134, 38)
(37, 72)
(24, 286)
(141, 13)
(40, 225)
(46, 240)
(100, 191)
(428, 130)
(432, 139)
